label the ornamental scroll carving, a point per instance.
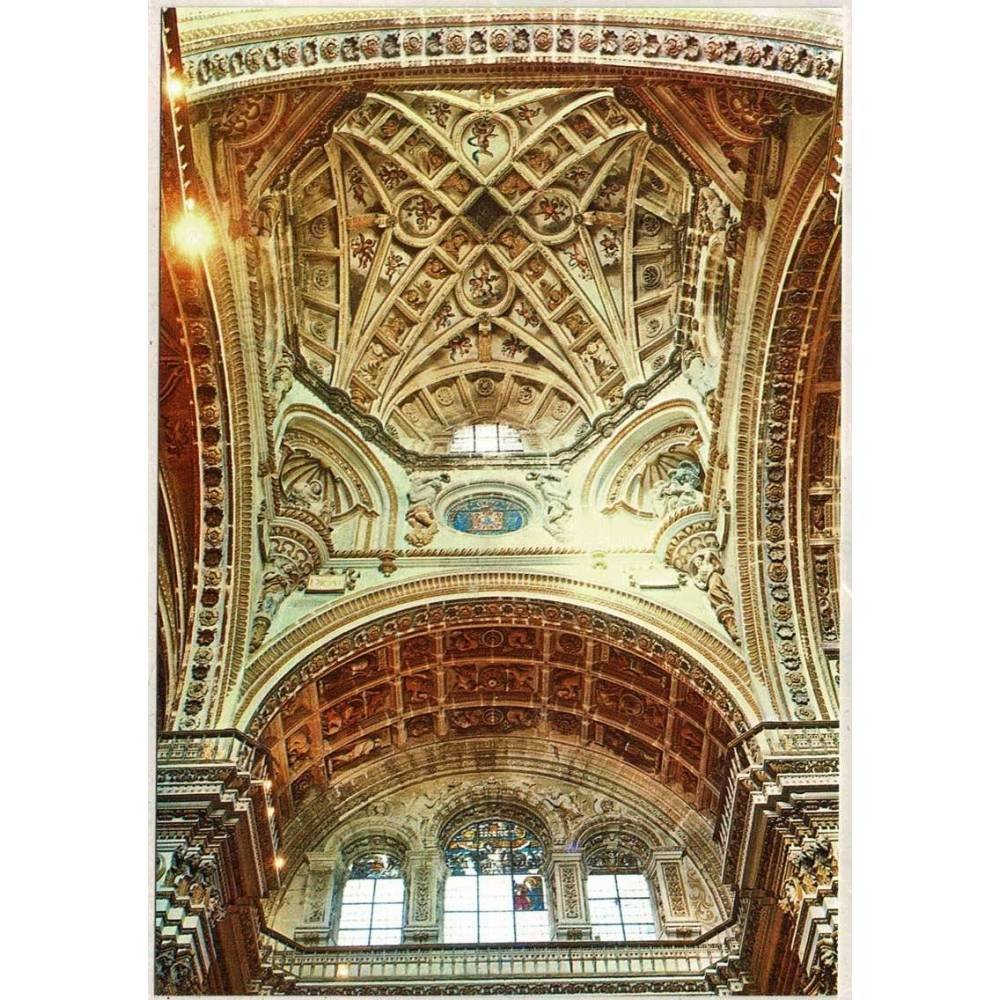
(676, 895)
(423, 894)
(194, 877)
(569, 890)
(812, 869)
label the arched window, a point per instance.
(494, 890)
(618, 893)
(486, 439)
(371, 907)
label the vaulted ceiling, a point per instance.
(487, 254)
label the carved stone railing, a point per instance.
(563, 967)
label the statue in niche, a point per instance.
(681, 488)
(551, 484)
(424, 491)
(309, 484)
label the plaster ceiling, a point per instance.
(487, 254)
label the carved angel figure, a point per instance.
(705, 567)
(680, 489)
(551, 484)
(424, 491)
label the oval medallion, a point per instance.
(487, 515)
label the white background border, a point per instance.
(78, 178)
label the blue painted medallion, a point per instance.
(487, 515)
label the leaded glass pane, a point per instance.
(604, 911)
(389, 890)
(358, 890)
(376, 866)
(632, 885)
(494, 868)
(636, 911)
(460, 894)
(372, 903)
(385, 935)
(529, 893)
(532, 926)
(620, 907)
(494, 892)
(639, 932)
(387, 915)
(346, 938)
(355, 915)
(601, 886)
(609, 932)
(460, 928)
(496, 926)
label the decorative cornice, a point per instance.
(498, 42)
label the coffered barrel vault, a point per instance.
(498, 488)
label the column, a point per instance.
(424, 887)
(666, 880)
(324, 872)
(567, 896)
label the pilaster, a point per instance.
(780, 831)
(425, 881)
(324, 873)
(666, 879)
(567, 879)
(216, 848)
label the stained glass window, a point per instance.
(371, 908)
(485, 439)
(494, 890)
(620, 907)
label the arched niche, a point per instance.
(624, 473)
(359, 483)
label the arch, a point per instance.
(455, 817)
(309, 427)
(277, 663)
(605, 483)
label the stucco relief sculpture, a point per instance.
(694, 550)
(421, 516)
(681, 488)
(406, 251)
(555, 493)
